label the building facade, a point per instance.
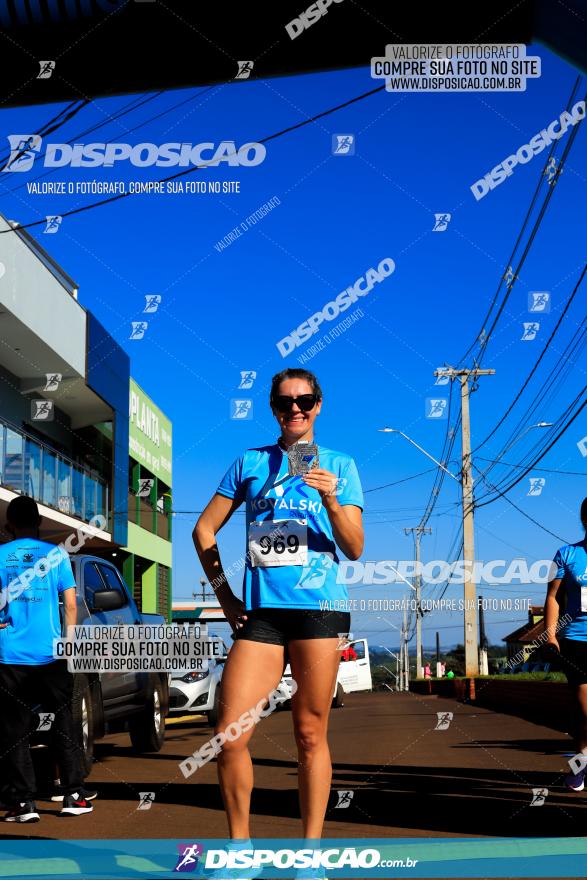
(68, 436)
(63, 391)
(146, 557)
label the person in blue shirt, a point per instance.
(568, 635)
(33, 575)
(293, 605)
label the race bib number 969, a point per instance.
(278, 542)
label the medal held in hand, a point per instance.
(301, 458)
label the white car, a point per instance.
(198, 692)
(354, 673)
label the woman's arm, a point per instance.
(347, 527)
(212, 519)
(346, 519)
(551, 612)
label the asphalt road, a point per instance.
(409, 780)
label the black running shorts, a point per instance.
(278, 626)
(574, 660)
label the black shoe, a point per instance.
(25, 811)
(75, 805)
(58, 795)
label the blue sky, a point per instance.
(416, 155)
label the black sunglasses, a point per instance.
(282, 403)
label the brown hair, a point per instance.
(294, 373)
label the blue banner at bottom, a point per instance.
(222, 859)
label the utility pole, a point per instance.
(406, 652)
(418, 531)
(470, 591)
(483, 643)
(438, 675)
(401, 658)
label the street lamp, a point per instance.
(523, 434)
(413, 442)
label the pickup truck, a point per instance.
(110, 701)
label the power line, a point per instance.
(48, 128)
(546, 393)
(128, 108)
(123, 112)
(482, 335)
(544, 470)
(538, 361)
(528, 468)
(519, 509)
(397, 482)
(264, 140)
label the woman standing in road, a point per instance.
(569, 584)
(290, 611)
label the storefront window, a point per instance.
(32, 469)
(49, 478)
(14, 461)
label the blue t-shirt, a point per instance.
(260, 478)
(32, 575)
(571, 566)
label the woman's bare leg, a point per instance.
(314, 664)
(252, 671)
